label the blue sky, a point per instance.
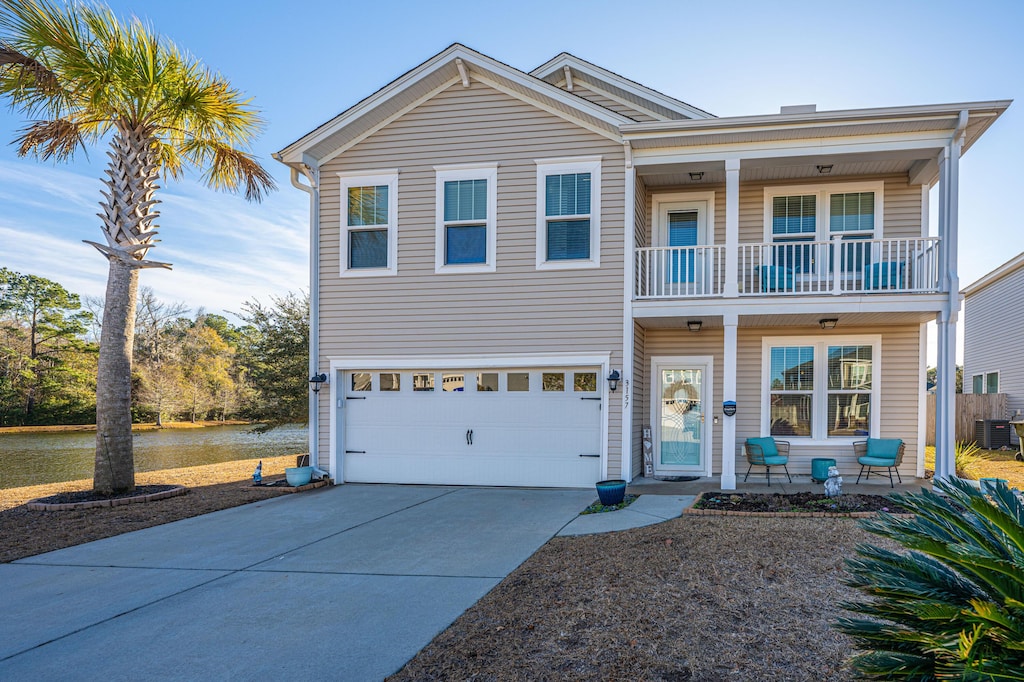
(304, 63)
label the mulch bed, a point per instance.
(797, 503)
(88, 499)
(25, 532)
(695, 598)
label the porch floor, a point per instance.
(800, 484)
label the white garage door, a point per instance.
(528, 427)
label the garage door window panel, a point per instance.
(452, 383)
(362, 381)
(585, 382)
(423, 381)
(553, 381)
(390, 381)
(487, 382)
(518, 382)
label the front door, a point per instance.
(680, 402)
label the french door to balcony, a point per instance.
(682, 222)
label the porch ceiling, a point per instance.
(786, 168)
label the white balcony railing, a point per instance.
(680, 271)
(792, 268)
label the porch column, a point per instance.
(945, 389)
(729, 393)
(626, 457)
(732, 227)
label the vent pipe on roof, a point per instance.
(799, 109)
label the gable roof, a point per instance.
(450, 66)
(660, 105)
(1005, 270)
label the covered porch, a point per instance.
(784, 221)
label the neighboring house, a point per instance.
(490, 247)
(993, 354)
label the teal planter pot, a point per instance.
(298, 476)
(611, 492)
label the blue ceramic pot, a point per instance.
(611, 492)
(298, 476)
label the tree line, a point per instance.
(188, 365)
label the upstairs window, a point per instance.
(820, 213)
(466, 233)
(568, 213)
(369, 224)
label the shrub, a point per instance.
(952, 605)
(965, 456)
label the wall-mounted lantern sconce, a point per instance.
(316, 381)
(828, 322)
(613, 380)
(694, 325)
(697, 177)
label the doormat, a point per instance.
(676, 479)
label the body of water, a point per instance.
(34, 458)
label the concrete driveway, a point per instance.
(339, 583)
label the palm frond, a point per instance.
(953, 605)
(229, 168)
(57, 139)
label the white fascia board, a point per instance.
(1008, 268)
(642, 91)
(591, 85)
(468, 361)
(854, 144)
(791, 305)
(774, 121)
(471, 59)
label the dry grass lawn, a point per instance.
(211, 487)
(695, 598)
(989, 464)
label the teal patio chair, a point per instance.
(879, 453)
(766, 452)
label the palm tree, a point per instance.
(82, 76)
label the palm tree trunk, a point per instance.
(115, 462)
(128, 216)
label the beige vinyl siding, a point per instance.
(639, 390)
(581, 90)
(516, 309)
(992, 333)
(901, 218)
(899, 392)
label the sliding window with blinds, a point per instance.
(794, 220)
(465, 221)
(466, 225)
(368, 225)
(568, 197)
(568, 213)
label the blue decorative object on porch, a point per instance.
(775, 278)
(885, 275)
(879, 453)
(611, 492)
(767, 452)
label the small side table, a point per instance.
(819, 468)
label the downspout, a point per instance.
(313, 190)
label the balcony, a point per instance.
(791, 268)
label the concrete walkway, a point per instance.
(339, 583)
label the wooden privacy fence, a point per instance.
(969, 407)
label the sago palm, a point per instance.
(82, 76)
(951, 606)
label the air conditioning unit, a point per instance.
(992, 434)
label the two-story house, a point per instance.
(515, 275)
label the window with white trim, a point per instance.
(369, 224)
(569, 213)
(985, 383)
(818, 213)
(820, 389)
(466, 223)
